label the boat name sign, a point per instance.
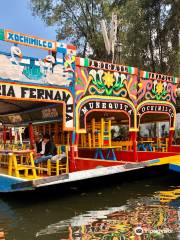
(12, 91)
(156, 108)
(105, 105)
(31, 41)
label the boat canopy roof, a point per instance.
(22, 112)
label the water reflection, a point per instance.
(142, 218)
(8, 218)
(120, 210)
(150, 221)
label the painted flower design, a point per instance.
(107, 83)
(108, 79)
(159, 88)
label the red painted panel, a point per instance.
(175, 149)
(85, 164)
(88, 161)
(86, 153)
(143, 156)
(128, 155)
(125, 156)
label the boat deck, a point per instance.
(4, 171)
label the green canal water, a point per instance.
(125, 206)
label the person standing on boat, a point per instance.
(48, 150)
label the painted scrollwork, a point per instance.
(108, 83)
(156, 90)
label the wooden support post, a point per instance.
(89, 140)
(102, 132)
(73, 153)
(10, 135)
(33, 165)
(14, 163)
(67, 162)
(31, 136)
(4, 135)
(76, 144)
(49, 167)
(109, 131)
(171, 135)
(10, 165)
(77, 138)
(71, 159)
(133, 138)
(93, 123)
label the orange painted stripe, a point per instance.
(72, 47)
(136, 71)
(77, 61)
(141, 73)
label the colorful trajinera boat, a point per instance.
(79, 102)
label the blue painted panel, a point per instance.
(6, 182)
(174, 167)
(61, 50)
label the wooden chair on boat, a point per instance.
(164, 146)
(4, 160)
(123, 145)
(59, 166)
(43, 169)
(161, 146)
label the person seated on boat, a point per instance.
(48, 150)
(39, 143)
(60, 157)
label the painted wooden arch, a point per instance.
(104, 104)
(156, 107)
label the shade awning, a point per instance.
(23, 112)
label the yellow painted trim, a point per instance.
(134, 130)
(166, 160)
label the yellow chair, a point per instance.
(123, 145)
(4, 160)
(43, 169)
(58, 166)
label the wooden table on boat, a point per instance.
(9, 153)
